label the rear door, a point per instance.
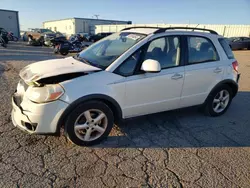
(238, 43)
(246, 42)
(203, 69)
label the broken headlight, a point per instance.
(44, 94)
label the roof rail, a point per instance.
(140, 27)
(161, 30)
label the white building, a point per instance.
(79, 25)
(9, 21)
(225, 30)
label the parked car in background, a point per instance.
(4, 35)
(134, 72)
(98, 36)
(37, 35)
(239, 43)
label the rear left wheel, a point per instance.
(89, 123)
(219, 101)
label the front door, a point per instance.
(154, 92)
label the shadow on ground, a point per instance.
(187, 128)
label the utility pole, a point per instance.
(97, 16)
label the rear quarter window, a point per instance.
(226, 48)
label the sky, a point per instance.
(33, 12)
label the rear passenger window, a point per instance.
(226, 48)
(201, 50)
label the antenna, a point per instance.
(196, 27)
(97, 16)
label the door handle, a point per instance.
(217, 70)
(176, 76)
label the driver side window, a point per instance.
(165, 50)
(128, 67)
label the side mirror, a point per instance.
(151, 66)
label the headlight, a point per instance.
(44, 94)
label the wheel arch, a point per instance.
(232, 84)
(109, 101)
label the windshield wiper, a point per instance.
(87, 61)
(81, 59)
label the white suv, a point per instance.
(135, 72)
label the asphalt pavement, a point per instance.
(181, 148)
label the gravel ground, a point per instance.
(181, 148)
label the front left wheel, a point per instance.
(89, 123)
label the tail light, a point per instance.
(235, 65)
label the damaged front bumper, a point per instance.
(36, 118)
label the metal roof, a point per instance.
(9, 10)
(86, 19)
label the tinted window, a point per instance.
(46, 30)
(245, 39)
(165, 50)
(201, 50)
(128, 67)
(226, 48)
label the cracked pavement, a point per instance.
(181, 148)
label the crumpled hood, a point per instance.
(55, 67)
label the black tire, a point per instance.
(209, 102)
(72, 117)
(64, 52)
(4, 45)
(6, 40)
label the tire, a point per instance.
(6, 40)
(4, 45)
(77, 116)
(63, 52)
(211, 104)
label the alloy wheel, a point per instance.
(90, 125)
(221, 101)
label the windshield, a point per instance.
(102, 53)
(46, 30)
